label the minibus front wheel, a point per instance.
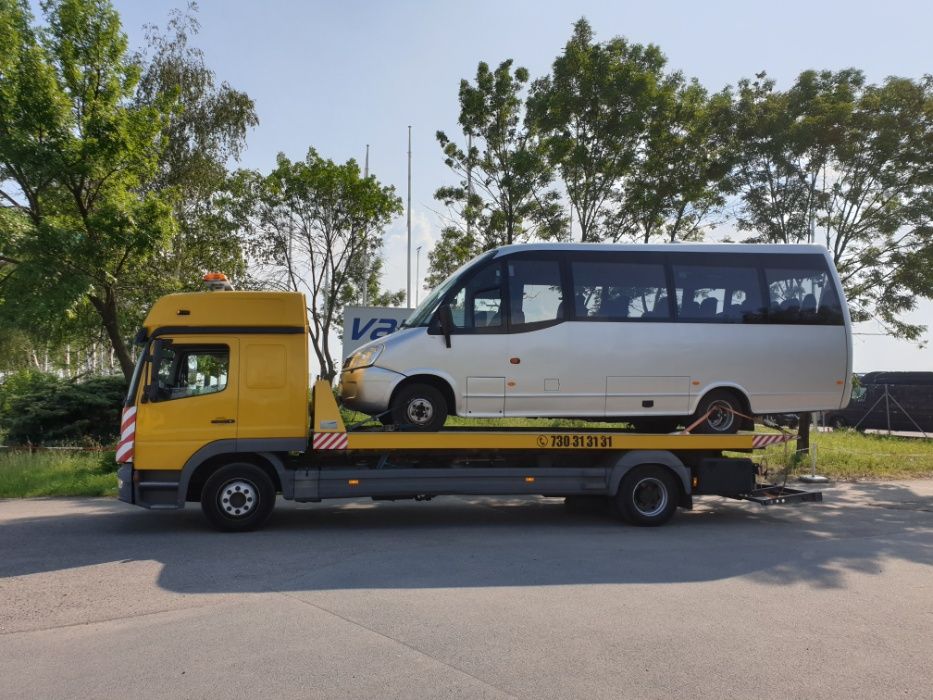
(419, 407)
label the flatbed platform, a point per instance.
(330, 433)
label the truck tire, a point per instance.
(647, 496)
(419, 407)
(722, 420)
(238, 497)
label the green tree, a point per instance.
(503, 194)
(592, 114)
(836, 161)
(75, 156)
(312, 223)
(203, 133)
(675, 188)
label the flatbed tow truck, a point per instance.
(217, 413)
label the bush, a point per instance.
(39, 409)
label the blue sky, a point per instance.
(338, 75)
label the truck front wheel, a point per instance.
(238, 497)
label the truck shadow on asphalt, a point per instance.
(480, 542)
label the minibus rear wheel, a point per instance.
(419, 407)
(238, 497)
(723, 407)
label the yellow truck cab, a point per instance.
(221, 376)
(217, 412)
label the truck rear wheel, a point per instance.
(419, 407)
(647, 496)
(238, 497)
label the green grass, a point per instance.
(57, 473)
(848, 454)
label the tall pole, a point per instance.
(417, 273)
(365, 298)
(469, 181)
(408, 297)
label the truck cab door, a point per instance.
(189, 400)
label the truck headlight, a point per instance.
(365, 358)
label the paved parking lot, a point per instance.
(471, 598)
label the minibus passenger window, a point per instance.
(616, 291)
(536, 294)
(717, 294)
(802, 296)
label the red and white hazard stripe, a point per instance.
(329, 441)
(765, 440)
(127, 435)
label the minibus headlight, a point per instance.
(366, 357)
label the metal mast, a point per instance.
(365, 299)
(408, 296)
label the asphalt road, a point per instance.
(471, 598)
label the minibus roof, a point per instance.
(668, 247)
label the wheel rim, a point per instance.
(238, 498)
(720, 416)
(649, 496)
(419, 411)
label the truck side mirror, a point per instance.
(446, 319)
(151, 392)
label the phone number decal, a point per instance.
(591, 441)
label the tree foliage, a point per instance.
(502, 195)
(37, 408)
(74, 156)
(313, 223)
(110, 168)
(205, 131)
(837, 161)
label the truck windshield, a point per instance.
(422, 315)
(134, 382)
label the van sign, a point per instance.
(364, 323)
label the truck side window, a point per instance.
(192, 371)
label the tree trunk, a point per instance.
(107, 310)
(803, 433)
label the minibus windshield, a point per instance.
(422, 315)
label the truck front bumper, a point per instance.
(125, 482)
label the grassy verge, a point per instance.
(851, 455)
(54, 473)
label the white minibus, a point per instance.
(656, 335)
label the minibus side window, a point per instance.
(718, 294)
(611, 290)
(536, 294)
(802, 296)
(477, 305)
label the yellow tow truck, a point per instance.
(218, 413)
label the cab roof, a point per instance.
(228, 309)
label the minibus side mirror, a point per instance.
(446, 319)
